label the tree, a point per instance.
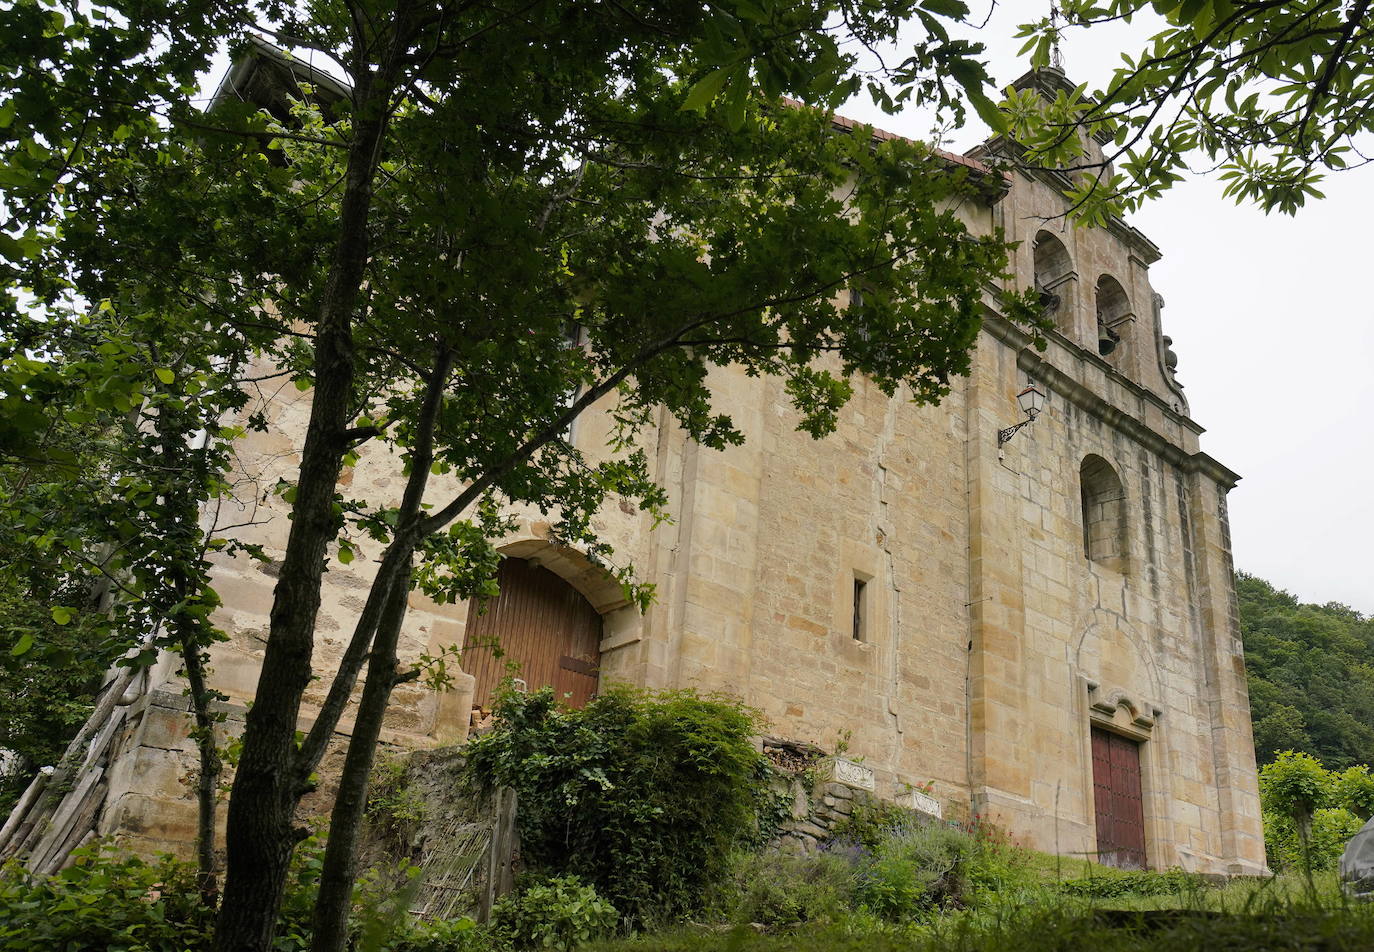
(114, 453)
(1311, 684)
(489, 177)
(1310, 813)
(1271, 96)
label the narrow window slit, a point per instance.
(860, 609)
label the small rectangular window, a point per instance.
(860, 609)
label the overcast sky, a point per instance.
(1273, 322)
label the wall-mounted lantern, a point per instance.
(1032, 401)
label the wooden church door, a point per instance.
(1116, 795)
(541, 624)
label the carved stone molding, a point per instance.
(1104, 703)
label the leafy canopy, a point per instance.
(1311, 681)
(1270, 96)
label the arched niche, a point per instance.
(555, 616)
(1055, 280)
(1104, 513)
(1115, 320)
(539, 630)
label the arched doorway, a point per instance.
(541, 625)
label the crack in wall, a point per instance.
(883, 535)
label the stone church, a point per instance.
(1043, 628)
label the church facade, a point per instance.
(1044, 628)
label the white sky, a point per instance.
(1273, 322)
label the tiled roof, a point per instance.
(844, 122)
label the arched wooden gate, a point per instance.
(540, 623)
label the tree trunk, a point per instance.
(207, 787)
(260, 833)
(345, 822)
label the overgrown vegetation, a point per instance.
(103, 903)
(645, 810)
(1256, 920)
(47, 691)
(642, 795)
(1311, 673)
(394, 808)
(559, 913)
(1310, 812)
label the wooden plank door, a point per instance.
(541, 624)
(1116, 797)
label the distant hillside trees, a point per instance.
(1311, 672)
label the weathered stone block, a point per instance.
(924, 803)
(853, 774)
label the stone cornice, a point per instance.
(1140, 246)
(1033, 363)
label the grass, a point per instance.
(1032, 913)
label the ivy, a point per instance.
(642, 795)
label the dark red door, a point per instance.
(539, 627)
(1116, 795)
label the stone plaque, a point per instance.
(853, 774)
(915, 800)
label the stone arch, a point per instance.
(547, 622)
(1119, 670)
(1055, 279)
(1115, 319)
(1104, 513)
(596, 584)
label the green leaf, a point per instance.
(165, 375)
(947, 8)
(61, 615)
(705, 90)
(23, 645)
(737, 98)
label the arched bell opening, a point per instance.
(1054, 281)
(1114, 320)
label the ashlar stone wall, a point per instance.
(992, 639)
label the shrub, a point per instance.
(394, 809)
(1330, 829)
(643, 795)
(918, 869)
(101, 903)
(1111, 885)
(559, 913)
(919, 863)
(1302, 798)
(298, 901)
(777, 890)
(1354, 790)
(1295, 785)
(873, 822)
(449, 935)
